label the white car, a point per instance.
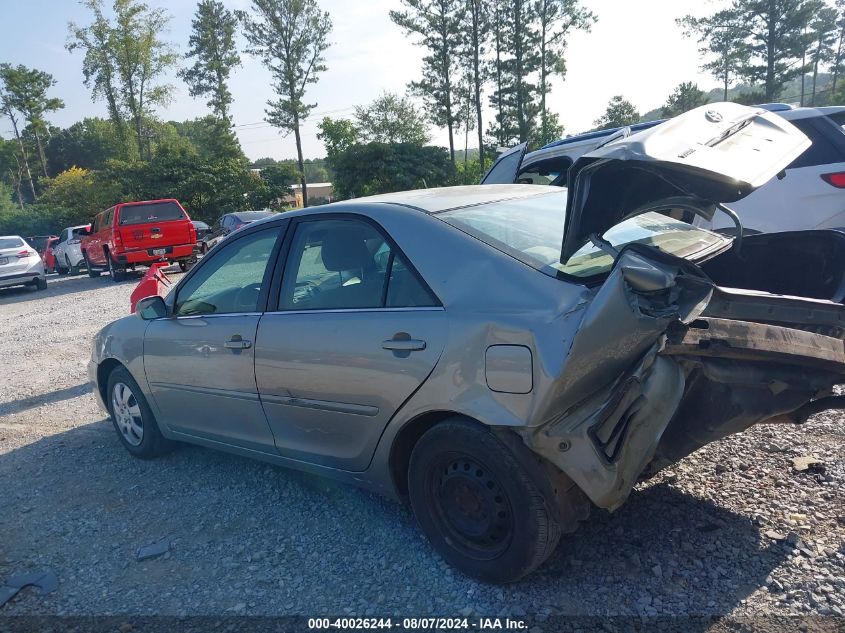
(808, 194)
(20, 264)
(68, 250)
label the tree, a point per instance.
(391, 119)
(26, 91)
(685, 97)
(620, 112)
(290, 36)
(722, 37)
(364, 170)
(337, 135)
(550, 129)
(438, 23)
(212, 45)
(556, 19)
(212, 138)
(476, 35)
(823, 34)
(123, 61)
(88, 143)
(497, 99)
(516, 94)
(839, 52)
(7, 107)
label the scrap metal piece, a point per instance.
(153, 550)
(45, 580)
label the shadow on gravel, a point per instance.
(286, 542)
(56, 287)
(16, 406)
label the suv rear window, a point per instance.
(153, 212)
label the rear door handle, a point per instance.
(403, 345)
(236, 342)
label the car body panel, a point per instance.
(20, 263)
(68, 251)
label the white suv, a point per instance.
(68, 250)
(808, 194)
(20, 264)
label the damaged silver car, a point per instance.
(504, 357)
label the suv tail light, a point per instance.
(118, 238)
(192, 232)
(25, 253)
(836, 179)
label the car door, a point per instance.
(354, 333)
(506, 167)
(59, 247)
(93, 242)
(199, 362)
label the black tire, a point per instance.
(41, 283)
(116, 274)
(151, 442)
(186, 265)
(60, 270)
(74, 270)
(92, 272)
(480, 507)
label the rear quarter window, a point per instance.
(828, 140)
(153, 212)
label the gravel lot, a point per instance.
(731, 530)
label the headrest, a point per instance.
(345, 249)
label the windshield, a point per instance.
(150, 212)
(531, 230)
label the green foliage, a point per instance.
(212, 44)
(550, 129)
(212, 137)
(291, 37)
(124, 58)
(87, 143)
(620, 112)
(391, 119)
(685, 97)
(438, 23)
(337, 135)
(364, 170)
(467, 173)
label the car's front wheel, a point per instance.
(74, 270)
(478, 504)
(132, 418)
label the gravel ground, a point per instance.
(731, 530)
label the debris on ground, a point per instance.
(153, 550)
(45, 580)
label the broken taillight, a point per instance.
(836, 179)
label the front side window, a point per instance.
(347, 264)
(232, 280)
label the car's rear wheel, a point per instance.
(116, 274)
(185, 265)
(92, 272)
(41, 283)
(74, 270)
(60, 270)
(132, 418)
(478, 504)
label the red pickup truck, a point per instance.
(139, 233)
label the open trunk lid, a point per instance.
(717, 153)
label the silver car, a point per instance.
(20, 264)
(504, 357)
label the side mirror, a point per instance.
(150, 308)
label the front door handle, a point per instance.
(403, 344)
(236, 342)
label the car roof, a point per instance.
(5, 237)
(440, 199)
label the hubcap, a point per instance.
(473, 507)
(127, 414)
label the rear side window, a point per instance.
(828, 143)
(152, 212)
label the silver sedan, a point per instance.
(504, 357)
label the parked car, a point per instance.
(502, 356)
(808, 194)
(48, 256)
(203, 234)
(133, 234)
(20, 264)
(230, 222)
(39, 242)
(67, 252)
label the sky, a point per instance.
(635, 49)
